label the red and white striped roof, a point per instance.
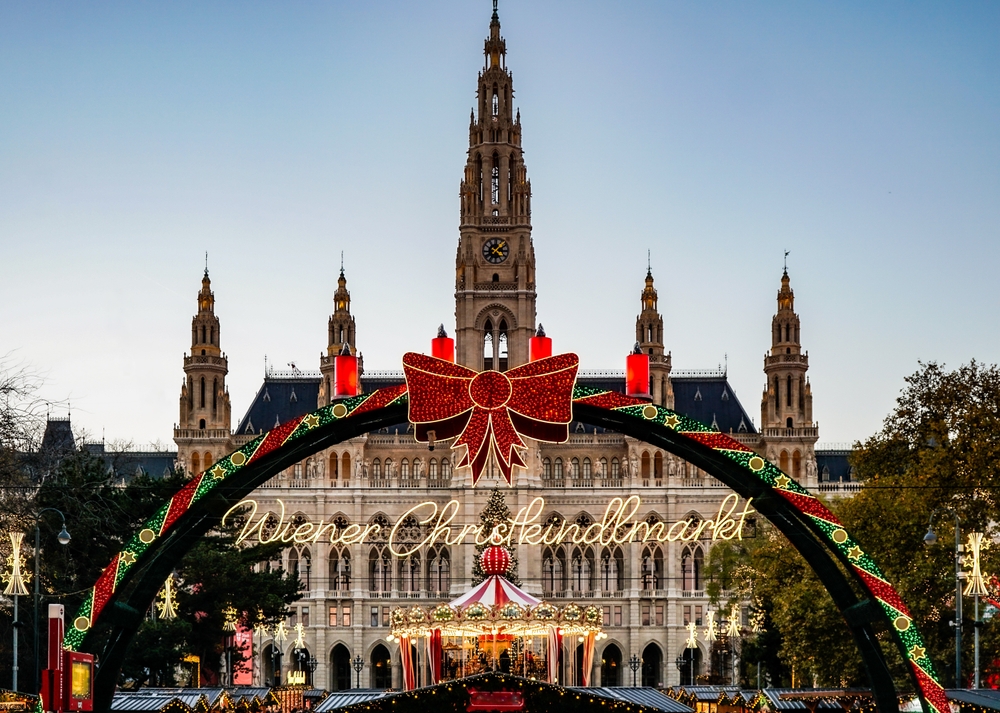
(495, 590)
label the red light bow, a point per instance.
(489, 411)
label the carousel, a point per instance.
(497, 627)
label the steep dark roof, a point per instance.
(128, 464)
(834, 465)
(58, 436)
(280, 399)
(712, 401)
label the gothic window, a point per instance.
(796, 465)
(788, 391)
(496, 103)
(502, 345)
(203, 334)
(553, 569)
(340, 569)
(582, 570)
(575, 469)
(438, 571)
(495, 180)
(783, 461)
(195, 463)
(587, 474)
(645, 465)
(789, 423)
(615, 467)
(377, 468)
(379, 569)
(651, 567)
(306, 568)
(215, 395)
(558, 469)
(488, 345)
(334, 463)
(293, 562)
(479, 173)
(388, 468)
(404, 468)
(384, 528)
(604, 467)
(345, 466)
(202, 403)
(612, 570)
(409, 573)
(658, 465)
(432, 469)
(409, 530)
(445, 469)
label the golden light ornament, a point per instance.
(300, 636)
(976, 581)
(260, 627)
(280, 632)
(711, 631)
(692, 640)
(17, 575)
(733, 628)
(229, 618)
(167, 606)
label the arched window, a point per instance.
(605, 473)
(645, 465)
(557, 473)
(195, 463)
(496, 103)
(379, 569)
(502, 346)
(574, 471)
(582, 570)
(208, 459)
(293, 562)
(203, 334)
(404, 468)
(587, 473)
(381, 667)
(340, 668)
(215, 395)
(334, 466)
(432, 469)
(788, 390)
(495, 180)
(438, 571)
(377, 468)
(409, 573)
(796, 465)
(345, 466)
(546, 469)
(658, 465)
(789, 423)
(306, 568)
(445, 469)
(651, 567)
(616, 468)
(488, 345)
(340, 569)
(202, 403)
(612, 570)
(783, 461)
(611, 666)
(553, 570)
(387, 470)
(692, 560)
(699, 562)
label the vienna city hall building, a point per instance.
(648, 592)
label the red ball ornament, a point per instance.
(495, 560)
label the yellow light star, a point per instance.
(128, 557)
(917, 652)
(312, 420)
(218, 472)
(672, 421)
(854, 553)
(782, 481)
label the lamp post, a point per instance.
(634, 663)
(929, 539)
(15, 586)
(63, 538)
(977, 588)
(359, 663)
(312, 663)
(280, 634)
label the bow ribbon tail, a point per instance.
(505, 440)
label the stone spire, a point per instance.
(341, 335)
(649, 340)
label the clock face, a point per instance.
(496, 250)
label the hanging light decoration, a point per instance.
(167, 604)
(692, 640)
(260, 626)
(711, 632)
(280, 632)
(300, 636)
(17, 574)
(733, 629)
(229, 618)
(976, 581)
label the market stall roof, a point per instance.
(495, 590)
(342, 699)
(643, 696)
(981, 698)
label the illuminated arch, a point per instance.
(129, 584)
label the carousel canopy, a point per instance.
(495, 590)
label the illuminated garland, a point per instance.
(825, 522)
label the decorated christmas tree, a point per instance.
(495, 512)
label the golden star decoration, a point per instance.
(128, 558)
(672, 421)
(917, 652)
(218, 472)
(854, 553)
(782, 481)
(311, 421)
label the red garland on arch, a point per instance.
(489, 411)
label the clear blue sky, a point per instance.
(864, 137)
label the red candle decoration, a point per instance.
(539, 346)
(443, 346)
(494, 560)
(345, 374)
(637, 373)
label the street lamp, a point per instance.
(63, 538)
(931, 538)
(359, 663)
(634, 663)
(15, 586)
(312, 664)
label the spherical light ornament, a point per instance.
(495, 560)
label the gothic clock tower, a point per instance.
(495, 265)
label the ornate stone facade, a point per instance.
(648, 592)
